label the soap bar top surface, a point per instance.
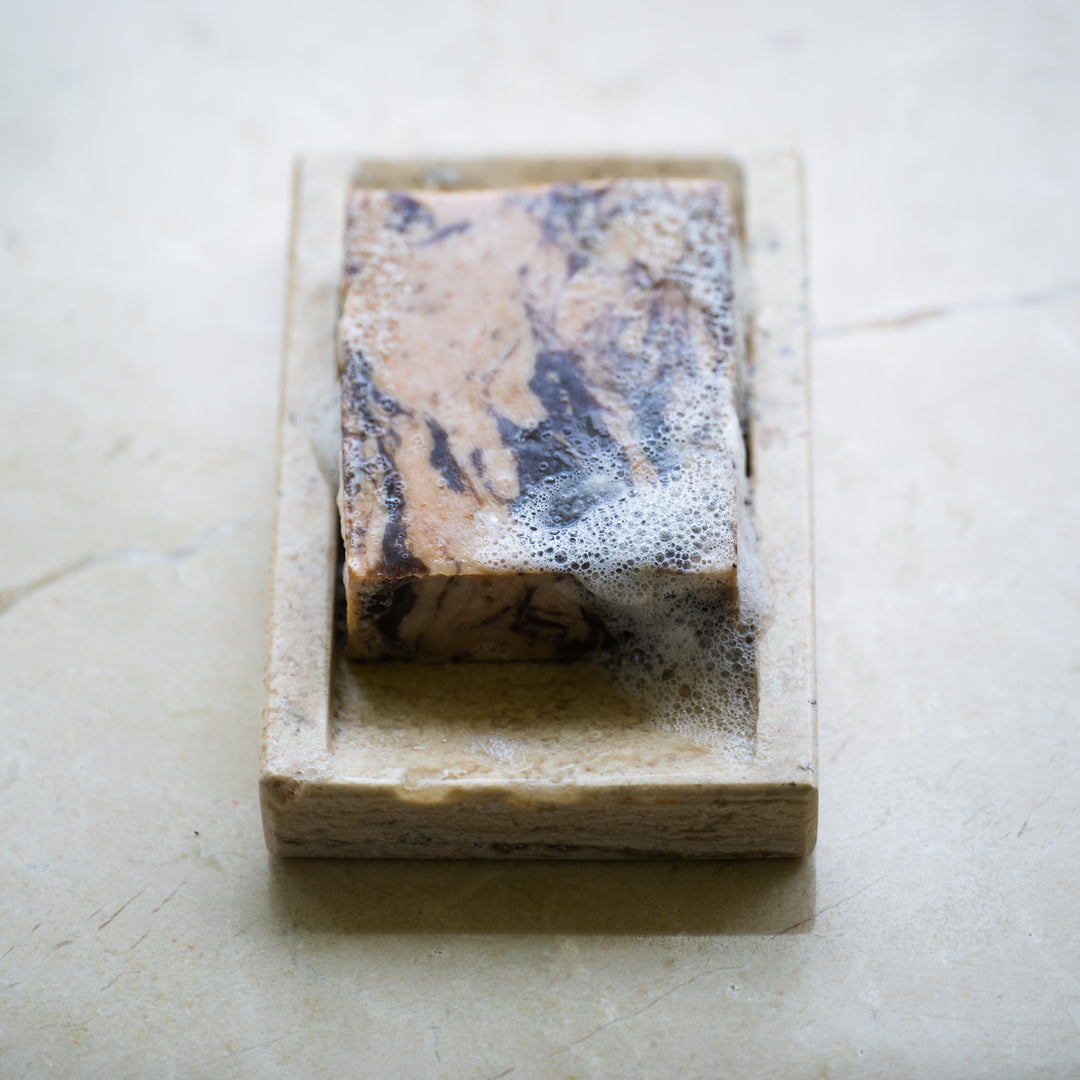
(515, 362)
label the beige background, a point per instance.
(143, 200)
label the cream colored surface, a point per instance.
(144, 204)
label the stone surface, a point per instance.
(143, 928)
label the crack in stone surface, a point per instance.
(11, 596)
(682, 984)
(921, 315)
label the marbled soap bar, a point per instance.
(533, 383)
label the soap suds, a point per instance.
(645, 546)
(500, 750)
(682, 643)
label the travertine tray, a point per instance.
(530, 760)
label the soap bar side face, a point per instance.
(495, 617)
(516, 366)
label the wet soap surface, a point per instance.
(515, 365)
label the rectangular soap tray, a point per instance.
(531, 760)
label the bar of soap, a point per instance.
(538, 392)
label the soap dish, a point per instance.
(531, 759)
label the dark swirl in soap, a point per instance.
(368, 457)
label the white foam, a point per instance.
(641, 557)
(501, 750)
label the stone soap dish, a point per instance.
(531, 760)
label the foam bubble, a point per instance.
(501, 750)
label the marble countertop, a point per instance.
(144, 929)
